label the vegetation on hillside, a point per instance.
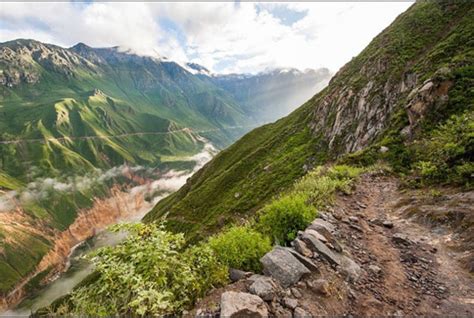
(149, 273)
(430, 41)
(153, 272)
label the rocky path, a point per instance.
(409, 270)
(362, 257)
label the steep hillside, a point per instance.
(398, 91)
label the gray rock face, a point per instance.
(234, 304)
(264, 287)
(283, 266)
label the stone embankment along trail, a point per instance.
(69, 138)
(361, 257)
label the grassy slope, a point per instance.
(236, 182)
(240, 176)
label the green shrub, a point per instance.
(283, 218)
(240, 247)
(445, 155)
(149, 273)
(344, 172)
(320, 186)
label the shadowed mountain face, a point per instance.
(411, 78)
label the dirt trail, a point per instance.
(409, 268)
(406, 269)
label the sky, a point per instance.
(226, 37)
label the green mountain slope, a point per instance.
(409, 80)
(45, 86)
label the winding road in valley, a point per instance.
(92, 137)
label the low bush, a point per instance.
(240, 247)
(446, 155)
(320, 186)
(149, 273)
(283, 218)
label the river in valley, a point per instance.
(132, 204)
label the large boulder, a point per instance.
(264, 287)
(283, 266)
(236, 304)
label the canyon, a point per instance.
(126, 202)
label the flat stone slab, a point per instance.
(318, 223)
(319, 247)
(236, 304)
(283, 266)
(306, 261)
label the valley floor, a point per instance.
(408, 267)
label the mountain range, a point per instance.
(66, 113)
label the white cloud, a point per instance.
(224, 37)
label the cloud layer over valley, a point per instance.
(152, 183)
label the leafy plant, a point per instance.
(240, 247)
(149, 273)
(447, 153)
(284, 217)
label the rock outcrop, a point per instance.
(283, 266)
(286, 271)
(235, 305)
